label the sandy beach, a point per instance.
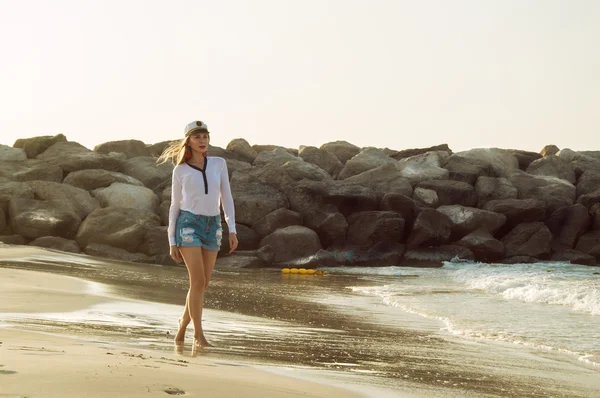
(42, 364)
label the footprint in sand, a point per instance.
(7, 372)
(174, 391)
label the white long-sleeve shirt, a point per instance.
(192, 192)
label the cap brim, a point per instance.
(192, 131)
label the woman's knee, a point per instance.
(198, 284)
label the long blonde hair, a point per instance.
(174, 152)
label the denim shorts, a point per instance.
(198, 230)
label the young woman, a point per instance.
(200, 185)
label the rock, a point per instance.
(589, 243)
(10, 189)
(383, 254)
(30, 170)
(163, 259)
(595, 216)
(567, 224)
(69, 197)
(277, 157)
(428, 197)
(329, 224)
(321, 258)
(370, 227)
(156, 242)
(436, 256)
(222, 153)
(241, 259)
(591, 154)
(56, 243)
(91, 179)
(130, 148)
(10, 154)
(34, 218)
(3, 222)
(367, 159)
(502, 162)
(36, 145)
(146, 170)
(517, 211)
(242, 149)
(116, 226)
(157, 149)
(418, 151)
(553, 166)
(407, 207)
(574, 257)
(484, 246)
(525, 158)
(125, 195)
(13, 240)
(235, 165)
(116, 253)
(468, 219)
(589, 182)
(431, 228)
(451, 192)
(277, 219)
(491, 188)
(71, 156)
(555, 192)
(163, 212)
(342, 150)
(254, 200)
(321, 158)
(269, 148)
(466, 169)
(292, 242)
(424, 167)
(588, 199)
(383, 180)
(579, 162)
(281, 176)
(549, 150)
(520, 260)
(248, 239)
(528, 239)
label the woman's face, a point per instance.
(199, 141)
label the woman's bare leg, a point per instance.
(194, 261)
(209, 258)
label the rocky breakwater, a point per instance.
(334, 205)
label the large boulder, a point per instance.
(589, 182)
(31, 170)
(588, 199)
(254, 200)
(436, 256)
(342, 150)
(579, 161)
(370, 227)
(528, 239)
(234, 165)
(382, 254)
(78, 200)
(424, 167)
(10, 154)
(125, 195)
(12, 240)
(275, 220)
(277, 157)
(321, 258)
(517, 211)
(467, 169)
(268, 148)
(91, 179)
(567, 224)
(589, 243)
(492, 188)
(156, 242)
(549, 150)
(525, 158)
(10, 189)
(248, 239)
(117, 226)
(452, 192)
(35, 218)
(367, 159)
(56, 243)
(595, 215)
(501, 161)
(71, 156)
(406, 206)
(553, 166)
(157, 149)
(407, 153)
(555, 192)
(146, 170)
(242, 149)
(130, 148)
(292, 242)
(383, 180)
(321, 158)
(35, 145)
(282, 175)
(468, 219)
(574, 257)
(329, 224)
(427, 197)
(431, 228)
(115, 253)
(3, 222)
(484, 246)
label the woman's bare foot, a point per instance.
(179, 339)
(201, 342)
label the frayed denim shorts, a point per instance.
(198, 230)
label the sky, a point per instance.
(397, 74)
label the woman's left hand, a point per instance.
(233, 242)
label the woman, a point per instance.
(200, 184)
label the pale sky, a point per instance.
(397, 74)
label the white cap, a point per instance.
(194, 126)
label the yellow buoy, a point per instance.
(302, 271)
(294, 270)
(285, 271)
(310, 271)
(319, 272)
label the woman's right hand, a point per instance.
(175, 254)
